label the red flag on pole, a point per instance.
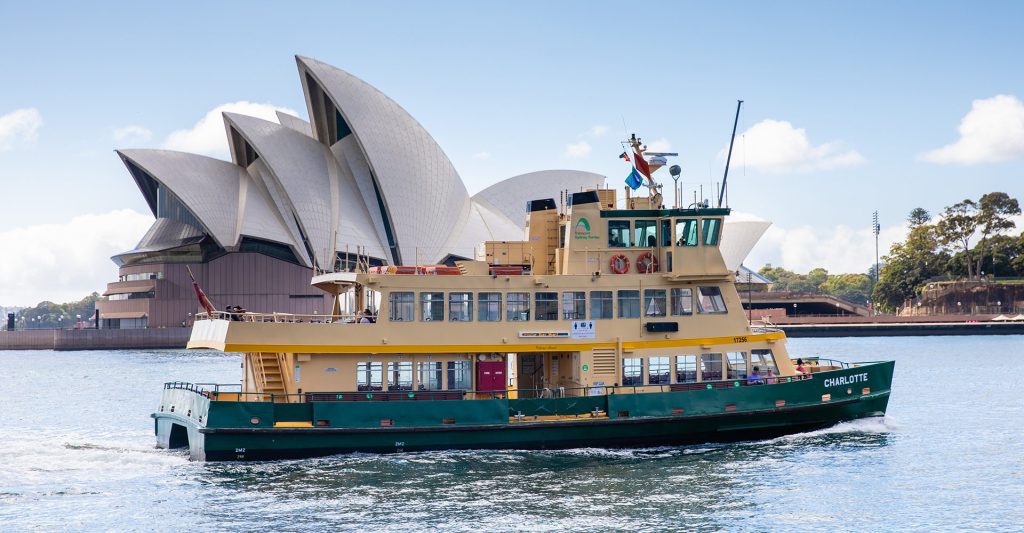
(203, 300)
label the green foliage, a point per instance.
(908, 265)
(854, 288)
(918, 217)
(51, 315)
(958, 224)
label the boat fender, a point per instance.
(646, 263)
(619, 264)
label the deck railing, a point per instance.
(233, 391)
(284, 318)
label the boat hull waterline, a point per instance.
(728, 411)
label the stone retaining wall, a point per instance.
(94, 339)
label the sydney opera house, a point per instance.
(361, 179)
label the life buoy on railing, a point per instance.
(619, 264)
(646, 263)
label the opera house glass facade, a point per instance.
(361, 176)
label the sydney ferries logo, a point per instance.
(582, 230)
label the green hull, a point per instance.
(729, 411)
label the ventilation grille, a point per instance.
(604, 361)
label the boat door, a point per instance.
(490, 376)
(531, 372)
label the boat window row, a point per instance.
(691, 368)
(645, 233)
(399, 376)
(553, 305)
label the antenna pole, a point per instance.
(725, 178)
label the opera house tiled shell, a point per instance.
(363, 176)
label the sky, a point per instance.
(849, 107)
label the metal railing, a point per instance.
(282, 318)
(235, 393)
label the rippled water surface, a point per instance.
(76, 453)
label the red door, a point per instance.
(490, 376)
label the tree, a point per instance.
(854, 288)
(994, 212)
(908, 265)
(918, 217)
(958, 224)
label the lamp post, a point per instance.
(876, 229)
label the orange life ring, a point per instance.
(646, 263)
(619, 264)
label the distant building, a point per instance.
(362, 179)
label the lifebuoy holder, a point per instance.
(647, 263)
(619, 264)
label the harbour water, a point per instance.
(76, 449)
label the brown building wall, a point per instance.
(253, 281)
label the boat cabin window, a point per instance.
(402, 307)
(645, 234)
(369, 376)
(710, 301)
(432, 306)
(654, 303)
(600, 305)
(490, 306)
(764, 361)
(686, 232)
(400, 375)
(711, 367)
(574, 305)
(429, 375)
(459, 375)
(629, 304)
(518, 306)
(666, 233)
(632, 371)
(658, 370)
(460, 306)
(686, 368)
(547, 306)
(618, 233)
(682, 302)
(712, 226)
(737, 365)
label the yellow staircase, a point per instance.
(269, 374)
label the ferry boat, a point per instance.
(607, 327)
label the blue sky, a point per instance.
(847, 105)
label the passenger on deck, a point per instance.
(755, 377)
(770, 378)
(367, 317)
(800, 366)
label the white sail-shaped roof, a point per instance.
(294, 123)
(321, 195)
(509, 196)
(738, 238)
(422, 196)
(208, 187)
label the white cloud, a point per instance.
(482, 156)
(598, 131)
(578, 149)
(838, 249)
(659, 145)
(19, 126)
(207, 136)
(66, 261)
(132, 134)
(993, 130)
(778, 147)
